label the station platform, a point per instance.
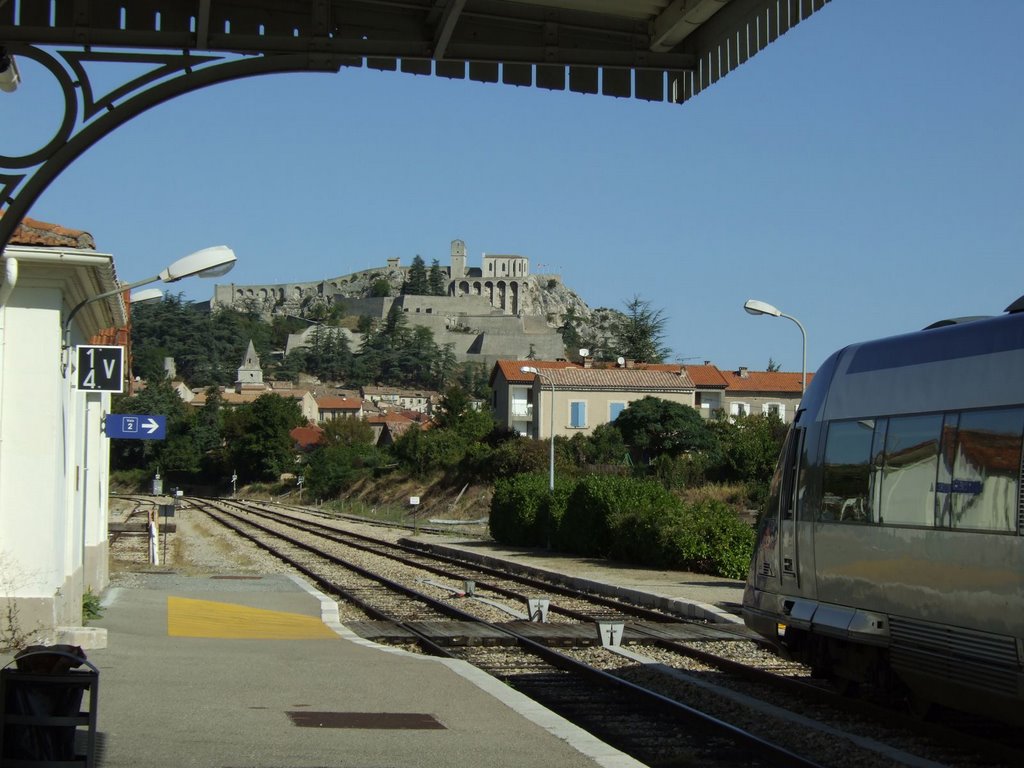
(257, 672)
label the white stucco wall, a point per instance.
(54, 461)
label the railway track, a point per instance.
(515, 650)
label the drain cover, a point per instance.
(409, 721)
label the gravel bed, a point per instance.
(836, 744)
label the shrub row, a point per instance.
(624, 518)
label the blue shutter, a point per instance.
(579, 414)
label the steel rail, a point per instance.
(768, 753)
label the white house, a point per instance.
(54, 459)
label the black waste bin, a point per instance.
(41, 708)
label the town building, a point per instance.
(763, 392)
(588, 395)
(331, 407)
(54, 456)
(569, 399)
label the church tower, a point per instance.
(458, 268)
(250, 374)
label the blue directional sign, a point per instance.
(136, 426)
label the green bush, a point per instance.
(709, 538)
(524, 512)
(679, 472)
(131, 480)
(92, 608)
(609, 515)
(637, 529)
(519, 456)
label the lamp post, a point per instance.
(551, 463)
(209, 262)
(755, 307)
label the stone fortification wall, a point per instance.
(493, 311)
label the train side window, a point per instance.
(909, 473)
(986, 470)
(791, 464)
(877, 463)
(944, 478)
(845, 489)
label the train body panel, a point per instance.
(894, 537)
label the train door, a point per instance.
(789, 546)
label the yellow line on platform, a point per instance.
(205, 618)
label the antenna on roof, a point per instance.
(584, 352)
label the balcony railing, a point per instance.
(522, 410)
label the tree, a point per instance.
(346, 454)
(641, 332)
(177, 452)
(347, 432)
(258, 436)
(416, 283)
(456, 412)
(570, 332)
(652, 426)
(381, 288)
(773, 367)
(437, 280)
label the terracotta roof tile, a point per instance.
(765, 381)
(706, 376)
(43, 234)
(634, 379)
(334, 403)
(308, 436)
(510, 369)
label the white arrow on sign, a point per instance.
(150, 425)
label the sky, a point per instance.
(864, 174)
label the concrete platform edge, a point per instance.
(601, 753)
(691, 609)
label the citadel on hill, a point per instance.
(498, 310)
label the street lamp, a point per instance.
(209, 262)
(551, 465)
(755, 307)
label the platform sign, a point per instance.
(100, 368)
(135, 426)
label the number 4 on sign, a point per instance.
(109, 369)
(100, 368)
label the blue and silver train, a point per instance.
(892, 551)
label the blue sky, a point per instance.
(865, 174)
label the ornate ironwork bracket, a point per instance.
(89, 116)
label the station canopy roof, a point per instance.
(649, 49)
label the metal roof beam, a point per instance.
(680, 19)
(445, 28)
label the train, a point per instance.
(891, 551)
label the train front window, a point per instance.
(909, 474)
(986, 470)
(845, 485)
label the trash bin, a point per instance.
(41, 707)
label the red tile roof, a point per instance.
(765, 381)
(307, 437)
(632, 379)
(43, 234)
(334, 403)
(706, 376)
(510, 369)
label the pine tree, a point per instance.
(438, 283)
(641, 331)
(416, 283)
